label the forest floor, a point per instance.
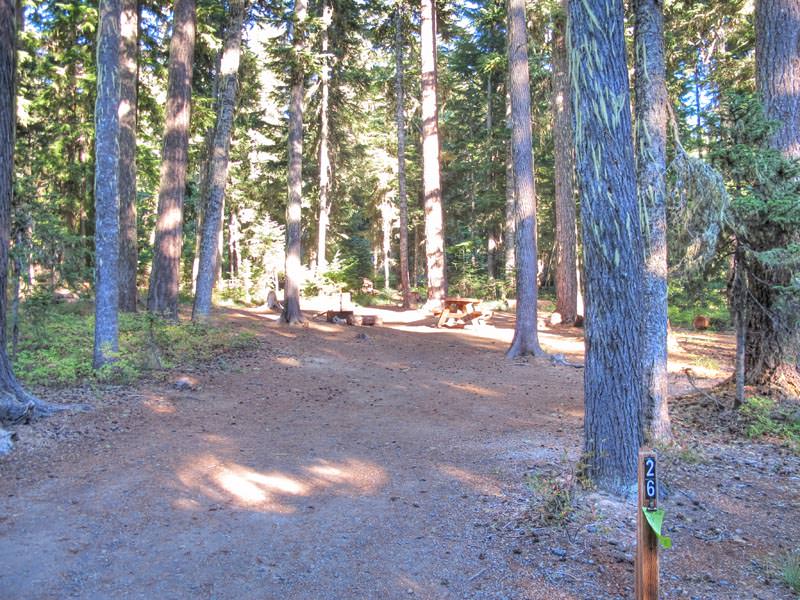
(400, 461)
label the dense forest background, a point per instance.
(709, 49)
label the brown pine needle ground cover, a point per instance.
(380, 462)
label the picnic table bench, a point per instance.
(458, 312)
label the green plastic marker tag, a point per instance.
(655, 518)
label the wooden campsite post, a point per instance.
(646, 539)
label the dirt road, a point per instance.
(323, 465)
(326, 462)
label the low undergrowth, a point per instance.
(710, 301)
(553, 494)
(56, 341)
(790, 571)
(764, 417)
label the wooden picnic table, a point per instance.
(458, 312)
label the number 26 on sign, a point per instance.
(650, 485)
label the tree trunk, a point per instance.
(128, 89)
(234, 239)
(526, 336)
(771, 344)
(491, 250)
(400, 120)
(738, 304)
(386, 242)
(431, 177)
(217, 176)
(510, 229)
(417, 243)
(324, 154)
(651, 167)
(16, 271)
(106, 185)
(489, 120)
(771, 356)
(291, 306)
(203, 170)
(613, 251)
(165, 274)
(778, 69)
(220, 245)
(566, 235)
(15, 403)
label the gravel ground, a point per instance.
(390, 462)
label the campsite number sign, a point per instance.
(650, 480)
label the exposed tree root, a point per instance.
(6, 441)
(18, 406)
(784, 383)
(293, 321)
(559, 360)
(523, 347)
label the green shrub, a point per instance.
(686, 303)
(55, 346)
(791, 571)
(763, 417)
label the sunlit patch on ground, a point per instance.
(159, 404)
(273, 490)
(481, 483)
(477, 390)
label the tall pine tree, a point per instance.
(612, 242)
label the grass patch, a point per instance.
(55, 346)
(763, 417)
(706, 362)
(553, 501)
(689, 455)
(380, 297)
(790, 572)
(711, 302)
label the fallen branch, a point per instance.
(558, 359)
(690, 378)
(478, 574)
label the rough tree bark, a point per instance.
(128, 89)
(566, 235)
(400, 121)
(651, 166)
(291, 307)
(387, 217)
(771, 353)
(778, 69)
(217, 175)
(208, 151)
(491, 258)
(613, 252)
(234, 242)
(431, 176)
(510, 228)
(526, 336)
(106, 185)
(324, 153)
(165, 274)
(416, 262)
